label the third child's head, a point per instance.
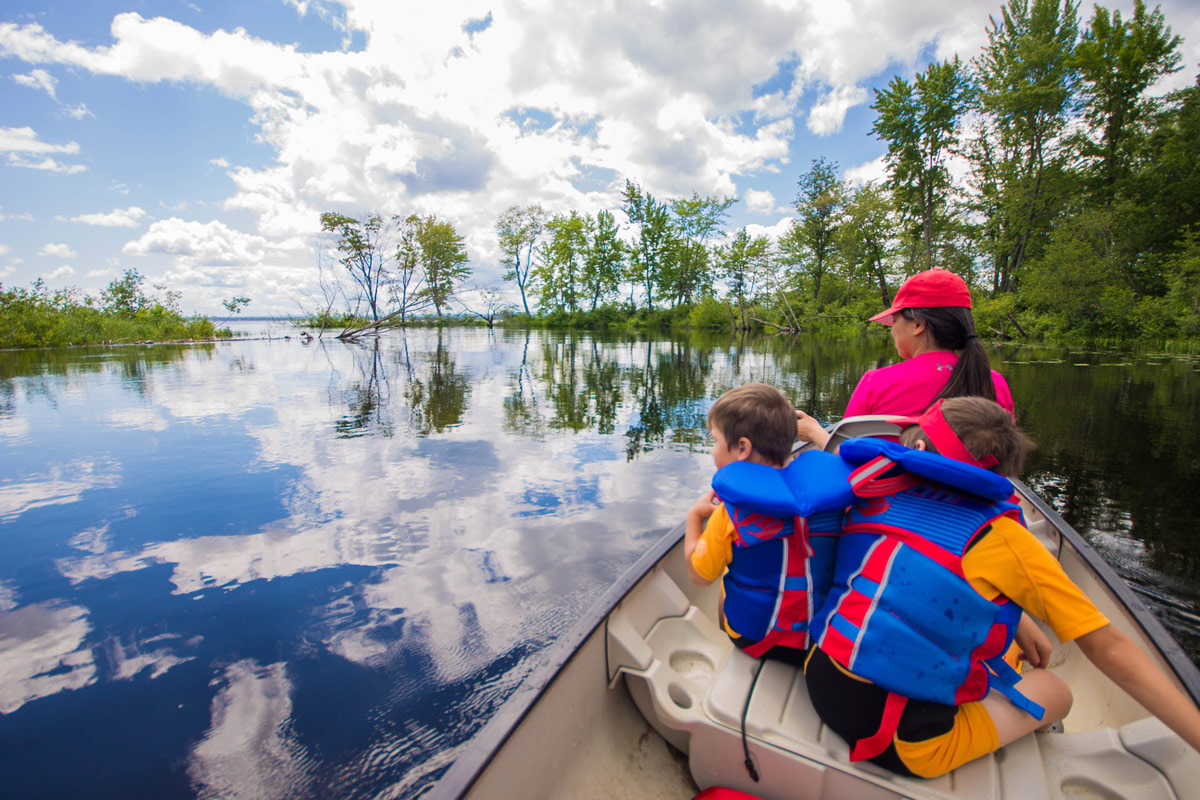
(754, 422)
(985, 429)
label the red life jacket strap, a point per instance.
(876, 744)
(777, 638)
(867, 480)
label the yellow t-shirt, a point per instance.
(1009, 560)
(714, 553)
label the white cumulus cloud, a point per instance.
(464, 109)
(65, 271)
(39, 79)
(25, 140)
(827, 116)
(874, 171)
(45, 164)
(208, 243)
(117, 218)
(22, 143)
(57, 251)
(760, 201)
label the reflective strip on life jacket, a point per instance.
(849, 617)
(793, 599)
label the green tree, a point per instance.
(1118, 60)
(443, 259)
(519, 230)
(1183, 270)
(233, 305)
(744, 264)
(654, 248)
(407, 286)
(1166, 187)
(603, 264)
(698, 221)
(561, 261)
(1026, 77)
(808, 244)
(364, 249)
(920, 125)
(124, 295)
(866, 238)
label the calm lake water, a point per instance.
(269, 569)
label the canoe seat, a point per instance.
(691, 684)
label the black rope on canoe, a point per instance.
(745, 711)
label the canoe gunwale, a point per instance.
(1180, 663)
(484, 746)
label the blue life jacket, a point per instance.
(787, 523)
(900, 613)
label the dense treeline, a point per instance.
(1043, 171)
(124, 313)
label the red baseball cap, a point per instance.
(933, 288)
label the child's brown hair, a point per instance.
(761, 414)
(985, 429)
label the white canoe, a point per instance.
(644, 698)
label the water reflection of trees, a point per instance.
(666, 385)
(669, 390)
(40, 371)
(1119, 450)
(522, 411)
(367, 395)
(436, 393)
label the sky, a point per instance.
(199, 142)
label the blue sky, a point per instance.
(198, 142)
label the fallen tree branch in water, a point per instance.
(351, 334)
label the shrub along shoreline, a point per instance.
(124, 314)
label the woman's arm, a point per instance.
(1131, 669)
(809, 430)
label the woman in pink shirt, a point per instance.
(934, 333)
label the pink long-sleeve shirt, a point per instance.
(908, 388)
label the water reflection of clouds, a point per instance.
(63, 485)
(376, 502)
(250, 750)
(157, 654)
(466, 566)
(8, 597)
(42, 652)
(142, 419)
(13, 427)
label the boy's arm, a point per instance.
(1034, 643)
(697, 514)
(1131, 669)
